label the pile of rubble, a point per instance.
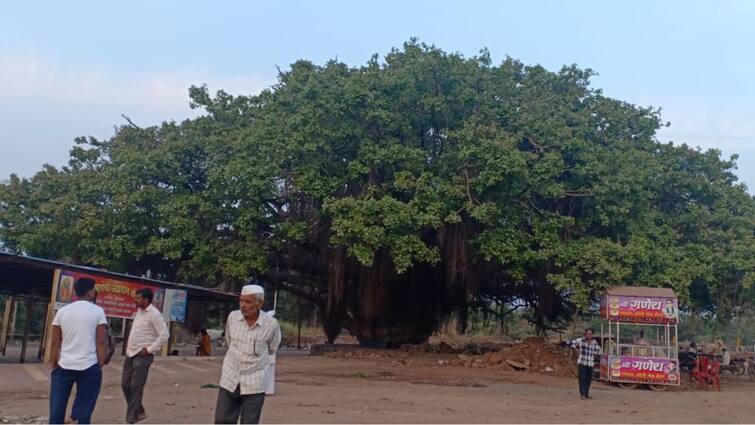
(361, 354)
(532, 354)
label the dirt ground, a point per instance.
(383, 389)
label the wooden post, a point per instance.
(225, 312)
(50, 316)
(27, 325)
(168, 346)
(173, 336)
(46, 331)
(164, 350)
(13, 321)
(298, 337)
(7, 316)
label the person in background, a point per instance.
(725, 357)
(148, 334)
(587, 348)
(77, 355)
(253, 336)
(641, 351)
(641, 339)
(205, 345)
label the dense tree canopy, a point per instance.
(401, 192)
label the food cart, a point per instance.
(639, 327)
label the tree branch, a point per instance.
(579, 194)
(472, 199)
(130, 122)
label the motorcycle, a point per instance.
(687, 361)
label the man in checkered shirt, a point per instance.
(587, 348)
(253, 336)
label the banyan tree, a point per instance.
(403, 192)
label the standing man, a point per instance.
(148, 334)
(77, 355)
(253, 336)
(587, 348)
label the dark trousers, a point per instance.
(88, 383)
(135, 371)
(585, 379)
(231, 404)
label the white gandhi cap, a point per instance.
(252, 290)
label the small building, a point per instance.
(35, 281)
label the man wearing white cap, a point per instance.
(253, 336)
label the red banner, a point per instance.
(116, 297)
(640, 309)
(641, 370)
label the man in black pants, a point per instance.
(587, 348)
(148, 334)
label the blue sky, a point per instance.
(72, 68)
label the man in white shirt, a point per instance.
(148, 334)
(253, 337)
(77, 355)
(725, 357)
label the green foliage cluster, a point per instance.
(396, 193)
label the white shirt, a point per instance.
(249, 351)
(148, 331)
(78, 323)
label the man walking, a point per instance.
(148, 334)
(587, 348)
(77, 355)
(253, 336)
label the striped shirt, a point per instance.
(587, 351)
(249, 351)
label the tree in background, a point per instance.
(401, 192)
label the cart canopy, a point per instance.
(640, 305)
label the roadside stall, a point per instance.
(45, 286)
(639, 328)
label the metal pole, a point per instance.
(618, 337)
(676, 343)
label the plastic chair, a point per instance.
(707, 372)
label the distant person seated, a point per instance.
(641, 339)
(205, 345)
(692, 348)
(641, 351)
